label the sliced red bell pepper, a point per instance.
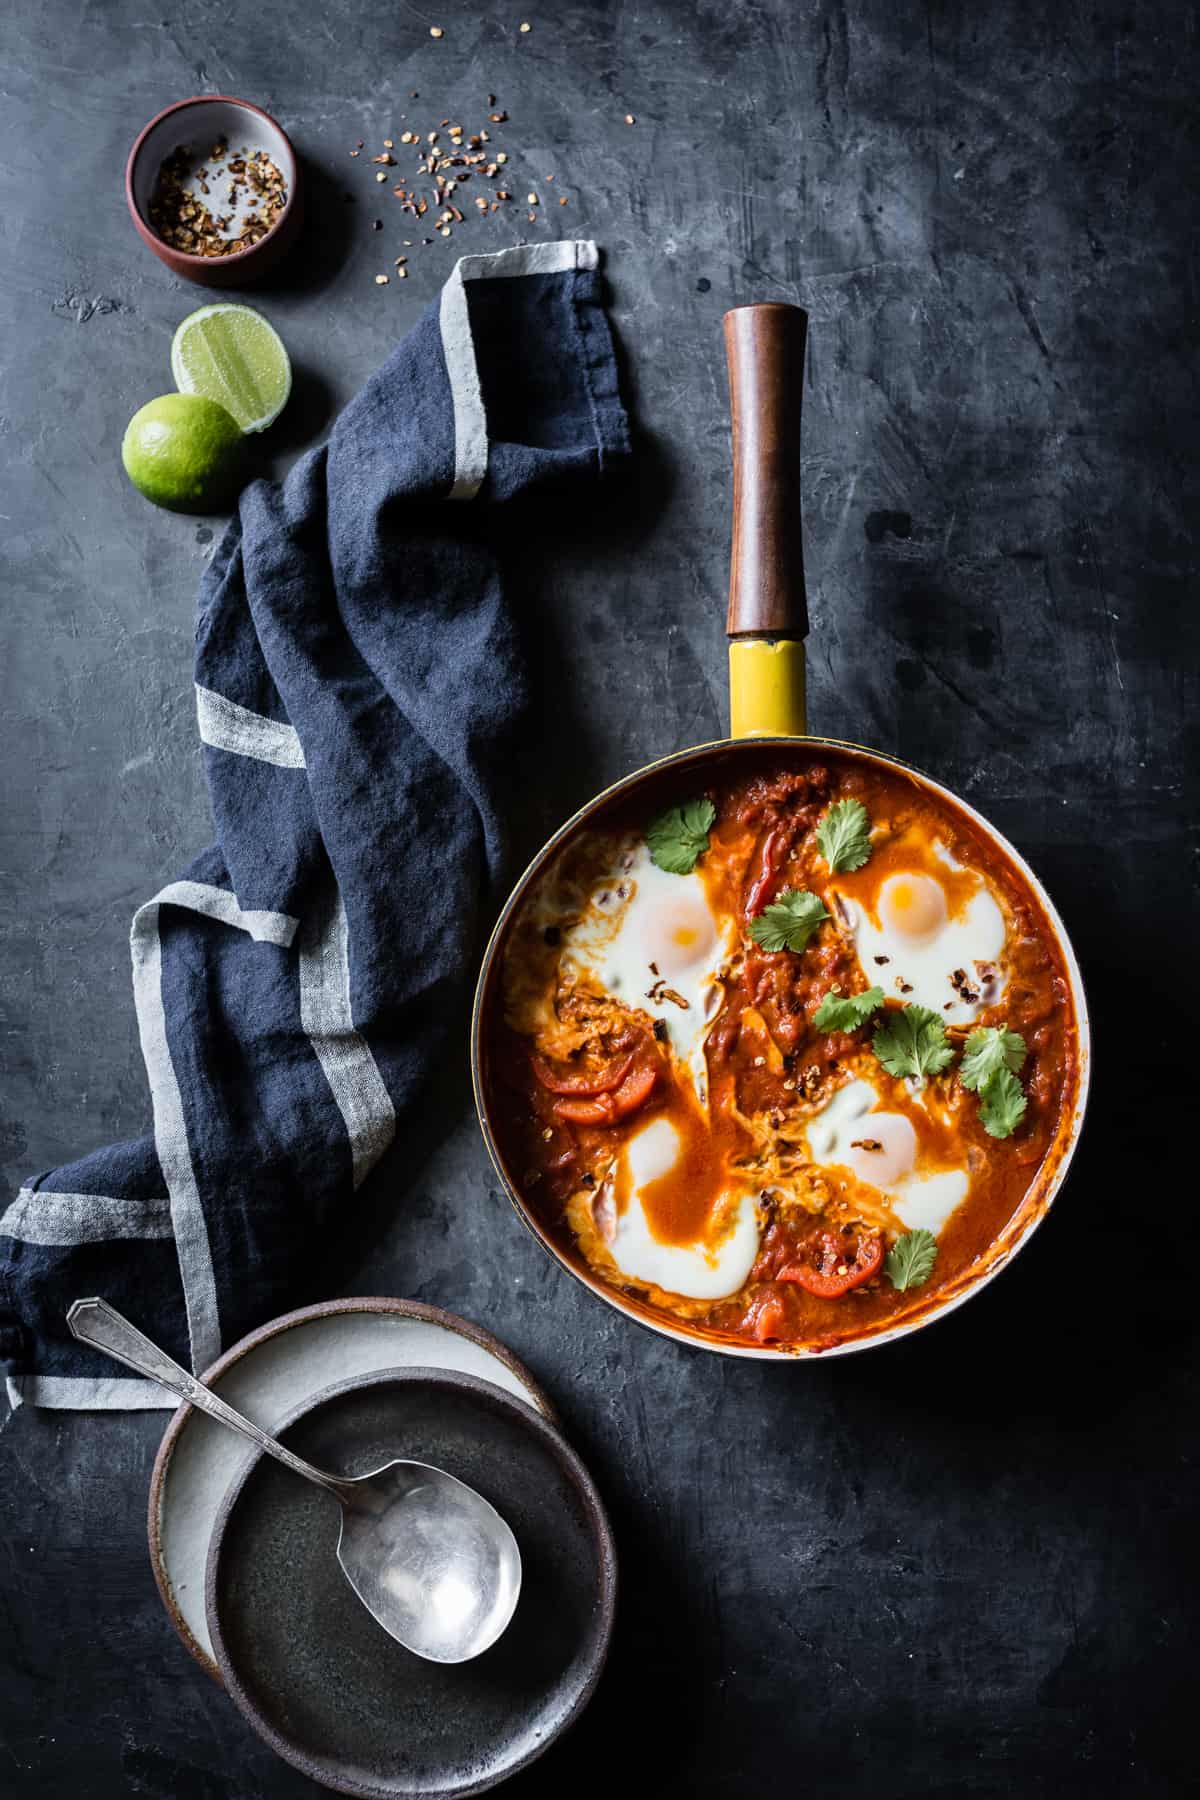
(765, 882)
(836, 1271)
(600, 1081)
(610, 1109)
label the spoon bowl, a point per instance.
(430, 1558)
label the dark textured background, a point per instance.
(960, 1566)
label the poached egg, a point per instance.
(651, 941)
(911, 943)
(711, 1265)
(881, 1149)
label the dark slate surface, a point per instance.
(957, 1567)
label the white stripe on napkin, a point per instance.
(89, 1393)
(171, 1141)
(219, 903)
(458, 348)
(224, 725)
(345, 1056)
(170, 1127)
(43, 1217)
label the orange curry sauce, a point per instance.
(766, 1067)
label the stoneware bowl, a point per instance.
(270, 1376)
(320, 1680)
(201, 121)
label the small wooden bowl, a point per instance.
(202, 120)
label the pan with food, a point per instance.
(778, 1045)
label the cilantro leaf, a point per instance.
(789, 922)
(910, 1260)
(844, 836)
(678, 837)
(1002, 1104)
(987, 1049)
(913, 1042)
(838, 1012)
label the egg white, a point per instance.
(919, 1199)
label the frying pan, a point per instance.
(767, 624)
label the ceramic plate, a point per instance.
(268, 1375)
(322, 1682)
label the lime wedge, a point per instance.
(231, 355)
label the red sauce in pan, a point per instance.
(740, 1107)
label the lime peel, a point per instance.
(182, 451)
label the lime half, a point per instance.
(231, 355)
(183, 451)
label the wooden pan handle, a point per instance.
(764, 346)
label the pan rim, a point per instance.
(971, 1285)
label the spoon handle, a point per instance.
(97, 1323)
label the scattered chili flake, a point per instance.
(448, 165)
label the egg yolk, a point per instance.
(680, 939)
(913, 906)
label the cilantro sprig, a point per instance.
(910, 1260)
(1001, 1104)
(846, 1012)
(844, 836)
(913, 1042)
(991, 1057)
(678, 837)
(988, 1049)
(789, 922)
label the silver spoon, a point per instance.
(427, 1556)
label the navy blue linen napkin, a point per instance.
(357, 681)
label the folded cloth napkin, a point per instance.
(357, 678)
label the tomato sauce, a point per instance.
(765, 1069)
